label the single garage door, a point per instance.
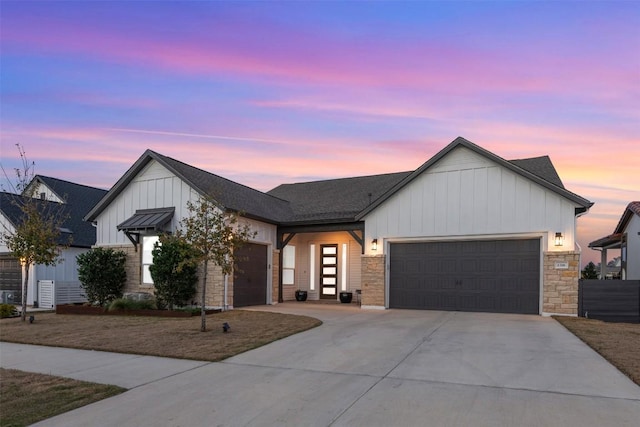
(250, 276)
(501, 276)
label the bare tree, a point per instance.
(214, 234)
(35, 236)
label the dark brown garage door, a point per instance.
(501, 276)
(250, 276)
(11, 277)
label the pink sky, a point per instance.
(266, 93)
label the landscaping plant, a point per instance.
(174, 271)
(102, 273)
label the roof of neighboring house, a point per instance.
(334, 199)
(539, 170)
(78, 200)
(615, 238)
(10, 206)
(230, 195)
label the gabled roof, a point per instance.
(615, 238)
(335, 200)
(541, 175)
(78, 200)
(230, 195)
(10, 207)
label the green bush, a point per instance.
(8, 310)
(174, 271)
(129, 304)
(102, 274)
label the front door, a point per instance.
(328, 271)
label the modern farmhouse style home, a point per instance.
(468, 230)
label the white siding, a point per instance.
(157, 187)
(466, 194)
(49, 195)
(633, 248)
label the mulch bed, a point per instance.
(100, 311)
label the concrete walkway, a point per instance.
(363, 368)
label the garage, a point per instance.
(250, 276)
(500, 276)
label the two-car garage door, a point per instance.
(501, 276)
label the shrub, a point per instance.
(129, 304)
(174, 271)
(102, 274)
(8, 310)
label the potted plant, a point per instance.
(346, 297)
(301, 295)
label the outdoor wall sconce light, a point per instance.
(559, 239)
(374, 245)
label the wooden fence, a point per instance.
(609, 300)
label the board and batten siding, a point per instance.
(466, 194)
(156, 187)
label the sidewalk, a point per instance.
(124, 370)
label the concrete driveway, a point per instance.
(386, 368)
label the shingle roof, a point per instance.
(334, 199)
(229, 194)
(10, 207)
(79, 200)
(540, 166)
(615, 238)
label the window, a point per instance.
(148, 242)
(288, 265)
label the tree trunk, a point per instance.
(203, 313)
(25, 287)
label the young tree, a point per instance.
(590, 271)
(36, 237)
(214, 234)
(102, 273)
(174, 271)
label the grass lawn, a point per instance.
(619, 343)
(26, 398)
(157, 336)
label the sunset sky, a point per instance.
(265, 93)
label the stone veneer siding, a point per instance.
(275, 277)
(560, 286)
(373, 280)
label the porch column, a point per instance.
(603, 263)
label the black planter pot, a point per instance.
(301, 295)
(346, 297)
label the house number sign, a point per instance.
(562, 265)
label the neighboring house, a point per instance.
(61, 280)
(467, 231)
(626, 238)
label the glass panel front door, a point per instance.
(329, 269)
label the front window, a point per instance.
(148, 243)
(288, 265)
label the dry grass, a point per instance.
(26, 398)
(619, 343)
(156, 336)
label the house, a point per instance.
(468, 230)
(626, 238)
(59, 283)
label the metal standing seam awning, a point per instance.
(147, 220)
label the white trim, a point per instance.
(546, 314)
(312, 267)
(345, 251)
